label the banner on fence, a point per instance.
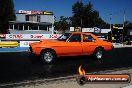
(31, 36)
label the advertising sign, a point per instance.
(87, 30)
(38, 36)
(31, 36)
(48, 13)
(71, 28)
(26, 43)
(24, 11)
(54, 36)
(36, 12)
(2, 35)
(97, 30)
(14, 36)
(105, 30)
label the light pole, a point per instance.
(124, 19)
(110, 25)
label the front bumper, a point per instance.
(35, 50)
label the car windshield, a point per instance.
(64, 37)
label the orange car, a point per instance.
(71, 44)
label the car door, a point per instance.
(73, 45)
(89, 44)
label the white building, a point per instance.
(32, 22)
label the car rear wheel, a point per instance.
(48, 56)
(98, 54)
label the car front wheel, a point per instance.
(48, 56)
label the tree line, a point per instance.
(84, 15)
(7, 14)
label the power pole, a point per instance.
(124, 19)
(111, 25)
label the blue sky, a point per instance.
(64, 8)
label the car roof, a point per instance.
(87, 33)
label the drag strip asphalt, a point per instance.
(22, 66)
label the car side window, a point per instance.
(88, 38)
(75, 38)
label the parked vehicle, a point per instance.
(71, 44)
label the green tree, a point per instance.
(86, 16)
(62, 24)
(78, 10)
(7, 14)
